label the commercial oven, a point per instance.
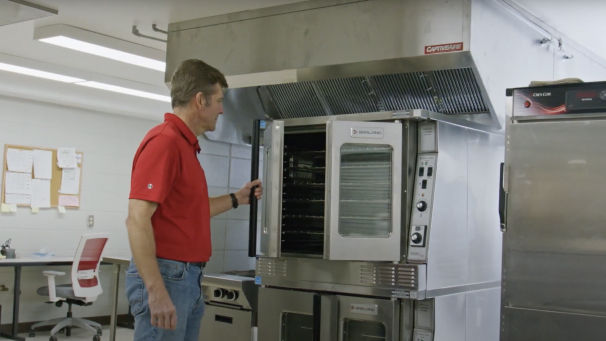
(554, 244)
(393, 207)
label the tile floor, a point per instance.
(122, 334)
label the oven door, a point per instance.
(363, 191)
(292, 315)
(363, 319)
(273, 142)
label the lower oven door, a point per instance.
(290, 315)
(362, 319)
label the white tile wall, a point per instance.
(237, 230)
(227, 169)
(238, 260)
(216, 169)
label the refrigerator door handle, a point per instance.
(502, 200)
(317, 316)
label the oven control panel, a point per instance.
(222, 295)
(229, 290)
(420, 218)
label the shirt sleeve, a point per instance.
(155, 170)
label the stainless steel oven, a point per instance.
(398, 207)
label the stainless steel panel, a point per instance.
(555, 244)
(484, 239)
(540, 325)
(273, 142)
(221, 323)
(464, 237)
(326, 32)
(467, 316)
(363, 278)
(339, 246)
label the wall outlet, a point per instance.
(91, 221)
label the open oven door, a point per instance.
(363, 191)
(273, 142)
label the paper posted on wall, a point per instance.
(70, 181)
(18, 183)
(41, 193)
(69, 200)
(66, 158)
(43, 163)
(18, 160)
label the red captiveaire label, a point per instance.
(431, 49)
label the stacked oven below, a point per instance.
(231, 307)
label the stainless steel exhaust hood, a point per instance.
(329, 57)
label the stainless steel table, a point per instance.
(17, 264)
(117, 263)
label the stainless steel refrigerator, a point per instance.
(553, 214)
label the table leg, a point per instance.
(114, 313)
(16, 296)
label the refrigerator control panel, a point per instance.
(420, 219)
(582, 98)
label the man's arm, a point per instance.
(222, 203)
(143, 247)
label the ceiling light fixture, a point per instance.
(101, 45)
(82, 82)
(123, 90)
(38, 73)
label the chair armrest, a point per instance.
(52, 290)
(53, 273)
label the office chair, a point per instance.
(83, 290)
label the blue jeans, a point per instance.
(182, 281)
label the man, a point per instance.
(169, 210)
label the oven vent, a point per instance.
(399, 276)
(271, 267)
(451, 91)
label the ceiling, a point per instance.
(109, 17)
(580, 20)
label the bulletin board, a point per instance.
(55, 181)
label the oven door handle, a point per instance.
(254, 174)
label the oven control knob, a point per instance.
(416, 238)
(229, 294)
(421, 206)
(217, 293)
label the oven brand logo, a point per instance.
(431, 49)
(366, 309)
(541, 94)
(372, 133)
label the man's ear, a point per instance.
(200, 99)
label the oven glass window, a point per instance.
(354, 330)
(297, 327)
(365, 190)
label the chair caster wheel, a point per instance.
(52, 338)
(96, 338)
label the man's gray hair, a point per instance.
(191, 77)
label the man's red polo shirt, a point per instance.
(166, 171)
